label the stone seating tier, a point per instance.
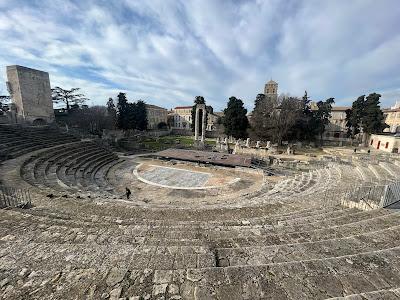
(16, 141)
(69, 168)
(357, 252)
(288, 242)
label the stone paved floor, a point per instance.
(175, 177)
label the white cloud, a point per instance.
(167, 52)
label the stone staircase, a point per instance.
(99, 252)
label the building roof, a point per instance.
(389, 110)
(154, 106)
(183, 107)
(271, 82)
(340, 108)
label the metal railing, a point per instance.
(391, 195)
(11, 197)
(381, 195)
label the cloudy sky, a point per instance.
(168, 51)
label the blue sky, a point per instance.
(168, 51)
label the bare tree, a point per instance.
(68, 97)
(4, 100)
(92, 119)
(273, 119)
(284, 116)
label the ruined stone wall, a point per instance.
(31, 94)
(261, 153)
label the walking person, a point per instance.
(128, 193)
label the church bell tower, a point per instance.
(271, 90)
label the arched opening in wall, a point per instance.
(39, 122)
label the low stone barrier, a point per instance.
(363, 205)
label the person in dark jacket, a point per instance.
(128, 193)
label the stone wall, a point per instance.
(31, 94)
(255, 152)
(359, 205)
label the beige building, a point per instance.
(181, 117)
(337, 122)
(392, 118)
(31, 95)
(212, 120)
(388, 143)
(156, 115)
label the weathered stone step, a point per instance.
(62, 226)
(79, 213)
(378, 240)
(23, 229)
(364, 274)
(387, 294)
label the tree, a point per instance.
(301, 130)
(365, 114)
(373, 120)
(131, 118)
(122, 112)
(4, 100)
(68, 97)
(321, 117)
(89, 119)
(262, 105)
(111, 111)
(354, 117)
(274, 119)
(235, 120)
(281, 119)
(141, 115)
(94, 119)
(131, 115)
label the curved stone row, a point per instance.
(342, 244)
(80, 166)
(284, 243)
(16, 140)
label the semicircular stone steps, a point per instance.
(81, 166)
(293, 241)
(19, 140)
(81, 249)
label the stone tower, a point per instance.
(31, 94)
(271, 90)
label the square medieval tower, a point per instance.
(31, 94)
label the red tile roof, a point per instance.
(183, 107)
